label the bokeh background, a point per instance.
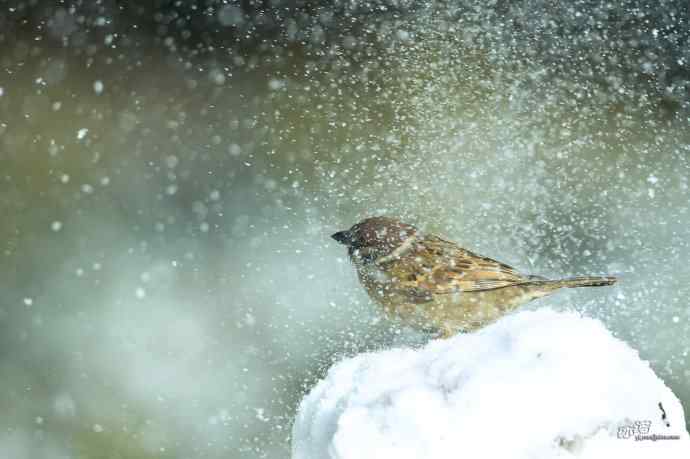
(170, 173)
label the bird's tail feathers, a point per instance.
(590, 281)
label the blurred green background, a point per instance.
(170, 173)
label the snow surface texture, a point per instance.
(537, 384)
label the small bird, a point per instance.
(430, 282)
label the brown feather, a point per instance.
(429, 281)
(454, 269)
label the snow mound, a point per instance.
(537, 384)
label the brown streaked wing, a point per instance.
(439, 266)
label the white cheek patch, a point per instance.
(380, 276)
(377, 275)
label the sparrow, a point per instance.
(430, 282)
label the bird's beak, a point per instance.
(344, 237)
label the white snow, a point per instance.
(98, 87)
(537, 384)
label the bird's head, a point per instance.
(374, 237)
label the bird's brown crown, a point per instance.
(375, 236)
